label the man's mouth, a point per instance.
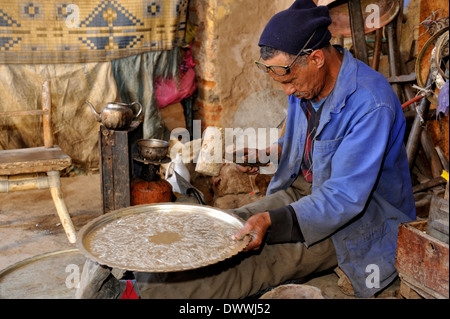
(299, 95)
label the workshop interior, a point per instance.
(123, 125)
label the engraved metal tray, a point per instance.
(161, 237)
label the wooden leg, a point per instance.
(57, 195)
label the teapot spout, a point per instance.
(96, 114)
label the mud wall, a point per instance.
(225, 48)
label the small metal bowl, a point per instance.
(153, 149)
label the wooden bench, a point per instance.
(38, 167)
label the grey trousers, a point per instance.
(247, 273)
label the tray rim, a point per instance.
(140, 209)
(25, 262)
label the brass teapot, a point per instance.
(117, 116)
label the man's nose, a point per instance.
(288, 89)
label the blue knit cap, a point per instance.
(289, 30)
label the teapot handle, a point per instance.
(140, 109)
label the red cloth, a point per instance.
(129, 292)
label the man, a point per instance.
(343, 139)
(342, 185)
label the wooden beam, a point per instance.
(417, 126)
(358, 30)
(22, 113)
(47, 107)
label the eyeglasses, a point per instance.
(284, 69)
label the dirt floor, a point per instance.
(29, 227)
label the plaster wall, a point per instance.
(225, 48)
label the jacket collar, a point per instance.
(345, 83)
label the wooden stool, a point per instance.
(38, 167)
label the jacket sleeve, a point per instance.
(284, 227)
(347, 175)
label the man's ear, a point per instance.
(318, 58)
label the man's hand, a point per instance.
(250, 170)
(256, 226)
(252, 156)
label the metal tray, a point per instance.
(45, 276)
(163, 237)
(141, 159)
(340, 15)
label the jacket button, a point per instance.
(293, 175)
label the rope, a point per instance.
(422, 92)
(430, 21)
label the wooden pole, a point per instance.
(394, 55)
(58, 199)
(358, 30)
(377, 49)
(22, 182)
(444, 160)
(418, 124)
(431, 183)
(430, 153)
(47, 107)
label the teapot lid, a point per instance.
(115, 105)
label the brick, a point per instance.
(209, 107)
(206, 84)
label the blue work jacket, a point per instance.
(361, 187)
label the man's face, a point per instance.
(304, 80)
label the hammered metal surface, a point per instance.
(161, 237)
(47, 276)
(382, 10)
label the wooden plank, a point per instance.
(116, 165)
(403, 78)
(106, 170)
(121, 168)
(407, 292)
(417, 290)
(438, 219)
(33, 160)
(431, 183)
(423, 258)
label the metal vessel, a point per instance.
(162, 237)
